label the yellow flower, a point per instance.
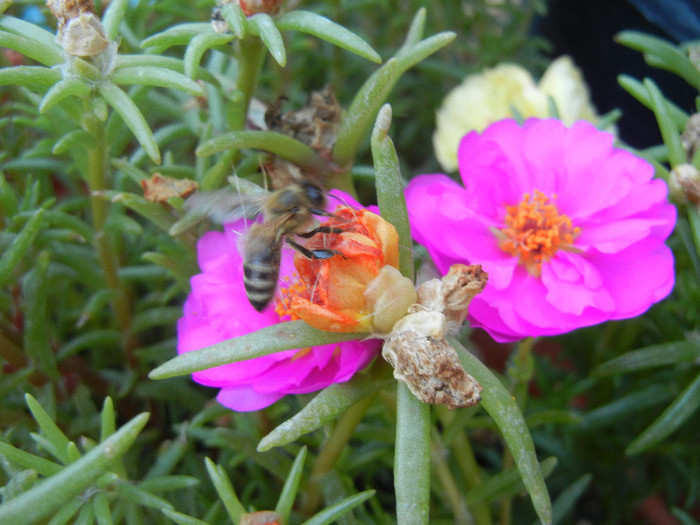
(490, 96)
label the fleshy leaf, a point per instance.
(53, 493)
(323, 408)
(36, 78)
(332, 513)
(650, 357)
(225, 490)
(275, 338)
(178, 35)
(156, 76)
(42, 53)
(132, 116)
(283, 145)
(667, 125)
(291, 485)
(21, 243)
(71, 87)
(677, 413)
(262, 26)
(323, 28)
(503, 409)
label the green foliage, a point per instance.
(93, 276)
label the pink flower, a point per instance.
(218, 309)
(570, 229)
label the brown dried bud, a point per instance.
(426, 362)
(316, 124)
(159, 188)
(251, 7)
(261, 517)
(684, 184)
(452, 294)
(690, 138)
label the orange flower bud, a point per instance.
(339, 293)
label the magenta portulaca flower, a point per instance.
(218, 309)
(570, 229)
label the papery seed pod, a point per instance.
(426, 363)
(690, 138)
(159, 188)
(261, 517)
(684, 184)
(83, 36)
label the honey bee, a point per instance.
(287, 211)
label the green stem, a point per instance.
(450, 489)
(521, 370)
(332, 448)
(98, 171)
(412, 459)
(251, 55)
(463, 454)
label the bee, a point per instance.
(286, 212)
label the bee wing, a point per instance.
(228, 204)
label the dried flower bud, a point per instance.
(316, 124)
(261, 517)
(388, 295)
(684, 184)
(159, 188)
(453, 293)
(690, 138)
(251, 7)
(80, 32)
(417, 349)
(426, 362)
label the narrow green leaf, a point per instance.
(262, 26)
(224, 489)
(132, 116)
(235, 18)
(291, 485)
(693, 220)
(627, 406)
(137, 495)
(389, 184)
(175, 64)
(416, 29)
(26, 460)
(183, 519)
(100, 503)
(21, 243)
(372, 95)
(35, 289)
(77, 138)
(46, 55)
(639, 92)
(29, 30)
(199, 45)
(332, 513)
(157, 214)
(662, 54)
(277, 143)
(66, 513)
(35, 78)
(568, 498)
(108, 419)
(18, 483)
(412, 459)
(323, 28)
(677, 413)
(650, 357)
(71, 87)
(325, 407)
(49, 429)
(168, 483)
(113, 16)
(504, 484)
(156, 76)
(503, 409)
(53, 493)
(275, 338)
(178, 35)
(667, 127)
(683, 517)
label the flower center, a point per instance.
(283, 302)
(535, 231)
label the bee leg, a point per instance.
(313, 254)
(320, 229)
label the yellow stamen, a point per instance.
(284, 301)
(535, 231)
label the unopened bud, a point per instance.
(388, 297)
(684, 184)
